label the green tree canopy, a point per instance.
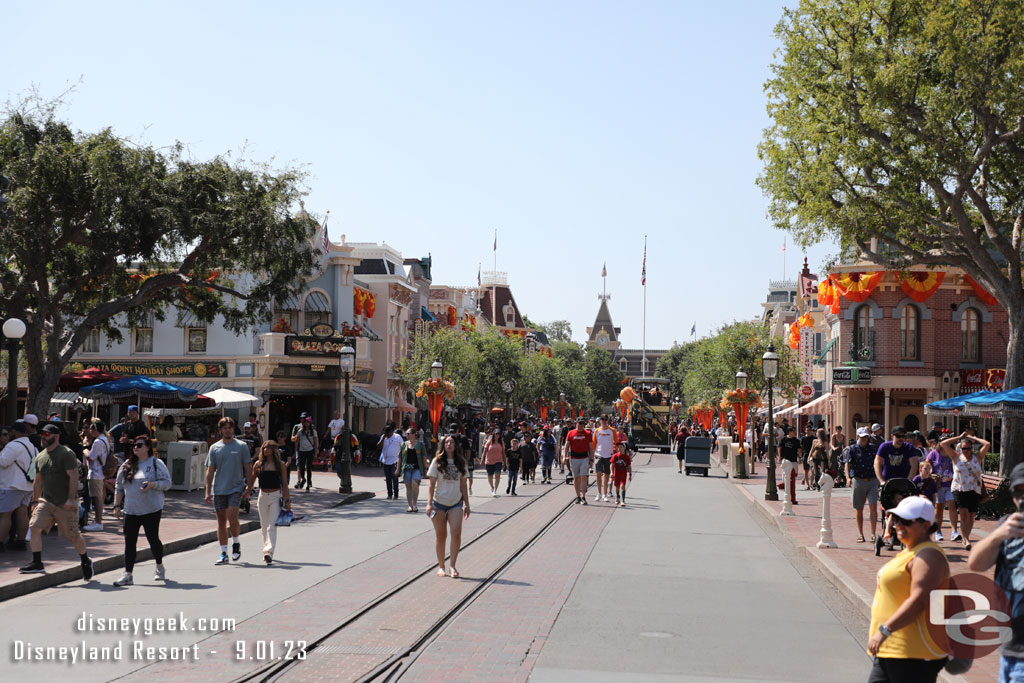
(95, 227)
(557, 330)
(603, 375)
(897, 128)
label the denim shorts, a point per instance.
(410, 476)
(943, 494)
(446, 508)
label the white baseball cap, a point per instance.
(915, 507)
(862, 431)
(31, 419)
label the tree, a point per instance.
(456, 353)
(557, 330)
(499, 358)
(603, 375)
(570, 352)
(898, 128)
(98, 232)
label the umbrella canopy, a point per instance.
(954, 405)
(73, 381)
(138, 386)
(1008, 403)
(226, 398)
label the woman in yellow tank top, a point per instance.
(899, 639)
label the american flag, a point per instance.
(643, 272)
(604, 270)
(325, 244)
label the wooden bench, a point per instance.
(1000, 500)
(992, 482)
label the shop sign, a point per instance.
(806, 391)
(204, 369)
(851, 375)
(314, 346)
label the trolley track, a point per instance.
(398, 659)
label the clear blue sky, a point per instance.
(573, 127)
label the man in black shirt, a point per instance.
(789, 449)
(133, 427)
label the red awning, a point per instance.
(73, 381)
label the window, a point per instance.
(196, 338)
(92, 342)
(317, 309)
(623, 365)
(863, 328)
(970, 336)
(143, 334)
(909, 341)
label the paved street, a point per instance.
(674, 587)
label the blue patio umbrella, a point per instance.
(1009, 403)
(954, 405)
(140, 387)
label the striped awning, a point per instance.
(189, 319)
(818, 406)
(66, 398)
(289, 304)
(316, 301)
(362, 396)
(199, 385)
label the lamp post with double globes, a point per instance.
(347, 361)
(770, 367)
(14, 330)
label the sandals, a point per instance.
(441, 571)
(860, 538)
(454, 573)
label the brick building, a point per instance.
(913, 352)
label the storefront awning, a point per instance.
(200, 386)
(365, 398)
(405, 406)
(824, 352)
(818, 406)
(427, 315)
(66, 398)
(316, 301)
(787, 411)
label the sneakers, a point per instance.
(267, 558)
(584, 499)
(33, 567)
(95, 526)
(597, 498)
(223, 559)
(494, 493)
(939, 536)
(956, 536)
(236, 551)
(86, 569)
(125, 580)
(159, 574)
(577, 500)
(622, 503)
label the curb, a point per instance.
(38, 582)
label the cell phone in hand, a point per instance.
(1020, 507)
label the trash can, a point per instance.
(697, 454)
(724, 445)
(738, 469)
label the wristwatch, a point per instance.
(884, 630)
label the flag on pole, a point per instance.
(604, 270)
(643, 272)
(783, 250)
(325, 244)
(693, 330)
(495, 239)
(478, 266)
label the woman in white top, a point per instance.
(446, 498)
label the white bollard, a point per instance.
(724, 443)
(787, 497)
(826, 483)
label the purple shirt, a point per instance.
(896, 461)
(942, 466)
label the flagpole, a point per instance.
(494, 285)
(643, 357)
(784, 257)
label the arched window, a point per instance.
(623, 365)
(863, 334)
(317, 308)
(909, 341)
(970, 336)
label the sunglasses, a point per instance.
(139, 444)
(904, 522)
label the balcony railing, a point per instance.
(861, 350)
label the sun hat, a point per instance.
(915, 507)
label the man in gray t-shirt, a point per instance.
(227, 471)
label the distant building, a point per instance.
(603, 334)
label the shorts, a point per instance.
(865, 490)
(493, 468)
(12, 499)
(579, 467)
(410, 476)
(96, 488)
(604, 466)
(807, 464)
(967, 499)
(680, 455)
(227, 500)
(45, 514)
(942, 495)
(446, 508)
(619, 478)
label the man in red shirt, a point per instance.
(578, 454)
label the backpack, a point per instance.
(110, 464)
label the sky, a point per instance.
(573, 128)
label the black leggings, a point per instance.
(151, 524)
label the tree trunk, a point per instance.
(1012, 447)
(41, 386)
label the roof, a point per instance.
(603, 321)
(502, 297)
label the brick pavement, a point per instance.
(852, 567)
(311, 613)
(187, 522)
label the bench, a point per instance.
(1000, 500)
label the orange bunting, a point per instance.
(357, 300)
(452, 316)
(371, 304)
(826, 292)
(920, 285)
(857, 287)
(980, 291)
(805, 320)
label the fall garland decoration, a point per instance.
(857, 287)
(740, 401)
(980, 291)
(920, 285)
(436, 390)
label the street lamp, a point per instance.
(435, 369)
(347, 363)
(14, 329)
(770, 367)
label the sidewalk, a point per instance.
(852, 567)
(187, 522)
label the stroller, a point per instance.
(890, 495)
